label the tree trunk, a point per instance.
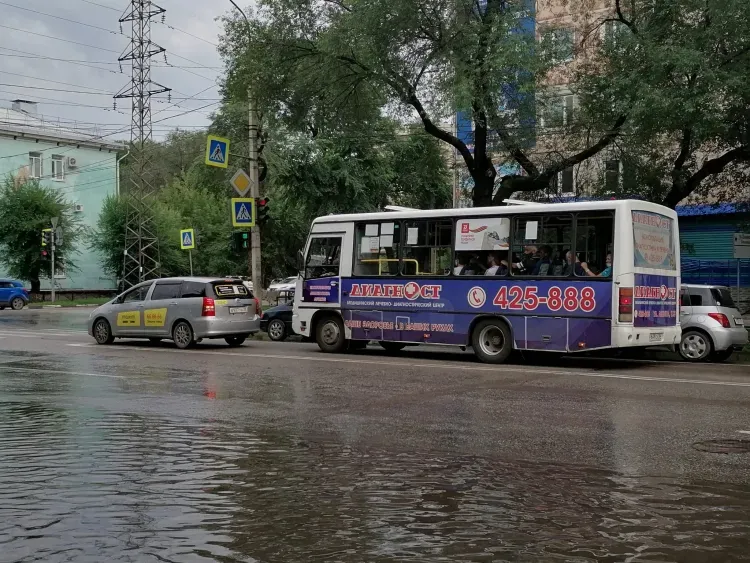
(484, 175)
(35, 285)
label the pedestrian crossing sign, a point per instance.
(243, 212)
(187, 239)
(217, 151)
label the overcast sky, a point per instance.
(22, 39)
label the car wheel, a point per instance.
(183, 335)
(695, 346)
(2, 308)
(722, 355)
(17, 304)
(329, 334)
(103, 332)
(235, 341)
(276, 330)
(492, 341)
(392, 346)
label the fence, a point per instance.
(734, 274)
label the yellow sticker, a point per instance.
(155, 317)
(129, 318)
(221, 302)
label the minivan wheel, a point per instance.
(492, 341)
(329, 334)
(183, 336)
(103, 332)
(695, 346)
(17, 304)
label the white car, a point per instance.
(245, 281)
(277, 286)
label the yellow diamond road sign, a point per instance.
(241, 182)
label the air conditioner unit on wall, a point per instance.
(72, 162)
(78, 208)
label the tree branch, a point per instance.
(622, 19)
(516, 152)
(711, 167)
(687, 137)
(340, 4)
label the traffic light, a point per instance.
(46, 237)
(261, 214)
(241, 240)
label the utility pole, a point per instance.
(255, 255)
(53, 238)
(141, 258)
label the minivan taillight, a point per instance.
(209, 307)
(258, 308)
(625, 305)
(721, 318)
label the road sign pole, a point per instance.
(52, 237)
(255, 255)
(190, 257)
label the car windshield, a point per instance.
(723, 298)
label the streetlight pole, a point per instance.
(252, 122)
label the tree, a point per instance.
(681, 71)
(24, 212)
(337, 64)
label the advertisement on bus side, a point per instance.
(654, 301)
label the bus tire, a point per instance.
(392, 346)
(329, 334)
(492, 341)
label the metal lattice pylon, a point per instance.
(141, 259)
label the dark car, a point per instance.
(277, 321)
(13, 295)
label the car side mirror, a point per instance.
(300, 261)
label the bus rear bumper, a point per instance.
(632, 337)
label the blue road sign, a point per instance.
(243, 212)
(187, 239)
(217, 151)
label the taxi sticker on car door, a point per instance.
(155, 317)
(129, 318)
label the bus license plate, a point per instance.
(655, 337)
(237, 310)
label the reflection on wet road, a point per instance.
(141, 453)
(86, 485)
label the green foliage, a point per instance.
(24, 212)
(680, 70)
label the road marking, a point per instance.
(446, 366)
(66, 372)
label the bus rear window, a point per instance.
(224, 289)
(653, 241)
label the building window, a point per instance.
(558, 112)
(563, 183)
(35, 164)
(612, 176)
(559, 43)
(58, 168)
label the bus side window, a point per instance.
(323, 258)
(540, 245)
(377, 248)
(427, 248)
(594, 241)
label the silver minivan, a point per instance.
(185, 310)
(712, 327)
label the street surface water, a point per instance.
(274, 452)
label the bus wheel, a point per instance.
(329, 334)
(392, 346)
(492, 341)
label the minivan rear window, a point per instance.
(723, 298)
(229, 289)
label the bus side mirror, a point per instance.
(300, 261)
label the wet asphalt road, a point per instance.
(277, 452)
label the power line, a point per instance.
(58, 17)
(59, 39)
(52, 82)
(102, 6)
(188, 33)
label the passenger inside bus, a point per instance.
(605, 273)
(496, 265)
(544, 263)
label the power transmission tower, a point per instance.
(141, 259)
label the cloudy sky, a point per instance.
(74, 80)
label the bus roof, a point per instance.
(504, 210)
